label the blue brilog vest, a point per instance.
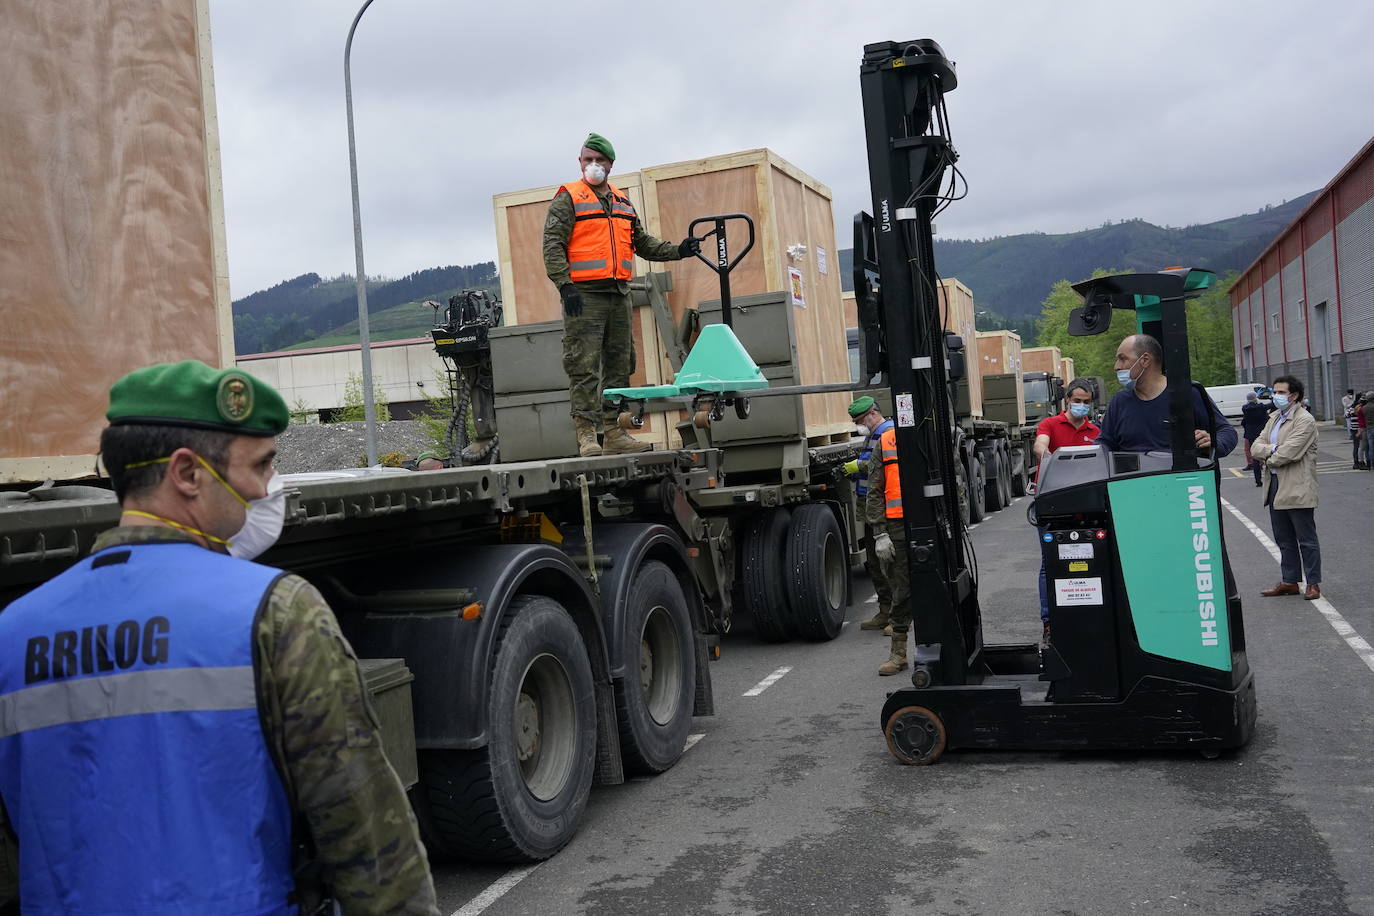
(132, 759)
(861, 485)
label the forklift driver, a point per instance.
(1137, 418)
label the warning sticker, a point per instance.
(1078, 566)
(906, 412)
(1075, 551)
(1069, 592)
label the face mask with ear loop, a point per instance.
(262, 523)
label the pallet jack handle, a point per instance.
(722, 264)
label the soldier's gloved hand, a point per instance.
(689, 246)
(851, 468)
(572, 300)
(882, 546)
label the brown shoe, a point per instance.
(1313, 592)
(1283, 588)
(619, 442)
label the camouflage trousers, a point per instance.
(598, 353)
(876, 573)
(898, 577)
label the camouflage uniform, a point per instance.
(324, 738)
(598, 347)
(897, 572)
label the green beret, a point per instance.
(192, 394)
(601, 145)
(424, 455)
(860, 407)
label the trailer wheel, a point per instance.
(1004, 454)
(962, 482)
(915, 736)
(1018, 473)
(992, 476)
(818, 570)
(977, 490)
(765, 574)
(520, 798)
(654, 702)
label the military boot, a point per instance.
(897, 660)
(619, 442)
(587, 446)
(878, 620)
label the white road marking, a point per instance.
(767, 682)
(494, 891)
(1338, 623)
(871, 599)
(691, 741)
(974, 525)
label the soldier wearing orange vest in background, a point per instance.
(591, 237)
(884, 501)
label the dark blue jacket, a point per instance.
(1253, 416)
(133, 764)
(1133, 425)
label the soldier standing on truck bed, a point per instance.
(591, 237)
(182, 729)
(883, 511)
(866, 414)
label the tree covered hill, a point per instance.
(1012, 275)
(304, 310)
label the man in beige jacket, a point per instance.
(1287, 449)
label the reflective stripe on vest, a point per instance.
(602, 244)
(861, 485)
(130, 679)
(892, 484)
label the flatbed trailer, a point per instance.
(556, 616)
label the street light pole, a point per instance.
(369, 408)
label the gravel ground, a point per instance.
(335, 446)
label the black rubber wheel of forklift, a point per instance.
(819, 572)
(520, 798)
(1018, 474)
(915, 736)
(977, 490)
(654, 699)
(763, 558)
(992, 479)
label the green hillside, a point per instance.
(400, 322)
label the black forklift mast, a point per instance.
(909, 153)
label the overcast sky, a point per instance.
(1067, 114)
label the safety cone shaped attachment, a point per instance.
(719, 362)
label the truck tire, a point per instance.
(818, 570)
(992, 486)
(765, 574)
(1018, 472)
(977, 489)
(962, 483)
(1006, 475)
(654, 699)
(520, 798)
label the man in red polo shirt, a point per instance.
(1072, 427)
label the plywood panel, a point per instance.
(999, 352)
(824, 301)
(1041, 359)
(107, 237)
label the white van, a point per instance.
(1231, 398)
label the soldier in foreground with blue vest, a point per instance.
(591, 237)
(866, 414)
(183, 730)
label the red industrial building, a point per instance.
(1305, 307)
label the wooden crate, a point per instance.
(958, 312)
(999, 352)
(1066, 371)
(795, 242)
(1041, 359)
(111, 214)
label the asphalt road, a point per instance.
(789, 801)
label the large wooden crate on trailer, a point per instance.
(999, 361)
(794, 252)
(1041, 359)
(111, 215)
(1066, 369)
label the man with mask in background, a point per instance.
(181, 729)
(1287, 448)
(591, 237)
(1137, 419)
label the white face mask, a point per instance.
(263, 523)
(594, 173)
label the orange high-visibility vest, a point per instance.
(602, 245)
(892, 484)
